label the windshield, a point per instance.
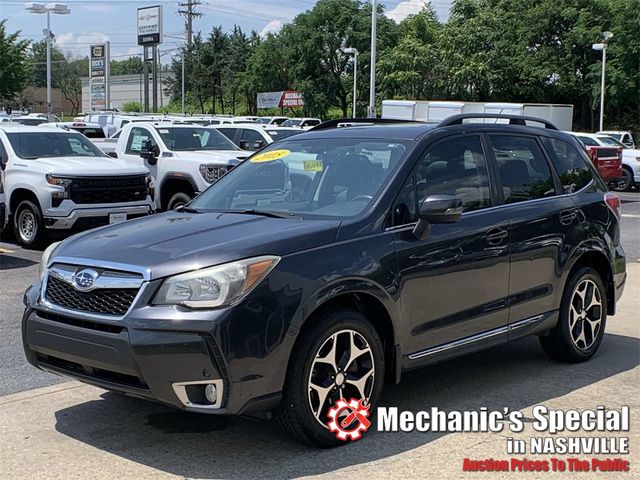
(292, 122)
(32, 145)
(307, 178)
(264, 120)
(194, 139)
(280, 134)
(611, 142)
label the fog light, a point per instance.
(211, 393)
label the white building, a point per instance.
(127, 88)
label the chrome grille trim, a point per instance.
(118, 272)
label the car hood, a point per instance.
(87, 166)
(211, 156)
(177, 242)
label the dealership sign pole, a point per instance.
(99, 95)
(150, 35)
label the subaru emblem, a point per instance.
(85, 279)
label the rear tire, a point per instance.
(583, 317)
(178, 200)
(627, 183)
(28, 225)
(302, 412)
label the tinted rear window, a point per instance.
(570, 164)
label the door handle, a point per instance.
(567, 217)
(495, 236)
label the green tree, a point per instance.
(411, 68)
(38, 63)
(314, 43)
(13, 66)
(132, 107)
(129, 66)
(66, 75)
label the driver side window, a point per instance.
(456, 167)
(137, 137)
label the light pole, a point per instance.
(372, 82)
(355, 53)
(49, 8)
(602, 46)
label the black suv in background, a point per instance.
(335, 260)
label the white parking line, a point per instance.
(630, 215)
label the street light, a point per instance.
(602, 46)
(372, 81)
(49, 8)
(355, 53)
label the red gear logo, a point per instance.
(356, 410)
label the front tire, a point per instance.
(28, 225)
(583, 317)
(178, 200)
(340, 357)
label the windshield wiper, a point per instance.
(185, 209)
(266, 213)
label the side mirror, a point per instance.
(112, 154)
(3, 163)
(437, 209)
(258, 145)
(149, 152)
(244, 145)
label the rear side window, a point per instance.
(230, 133)
(522, 168)
(588, 141)
(570, 165)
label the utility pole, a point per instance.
(372, 81)
(189, 13)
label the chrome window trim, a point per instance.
(502, 205)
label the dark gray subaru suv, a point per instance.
(333, 261)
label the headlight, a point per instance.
(58, 181)
(215, 286)
(212, 173)
(46, 255)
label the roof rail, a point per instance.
(513, 119)
(351, 122)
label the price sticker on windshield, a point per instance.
(269, 156)
(312, 165)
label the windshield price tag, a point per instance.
(312, 165)
(269, 156)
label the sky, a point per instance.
(97, 21)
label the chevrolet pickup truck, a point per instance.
(184, 159)
(57, 180)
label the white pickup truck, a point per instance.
(56, 180)
(184, 160)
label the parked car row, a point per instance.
(56, 179)
(629, 175)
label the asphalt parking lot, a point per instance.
(53, 428)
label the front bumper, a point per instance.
(151, 355)
(94, 217)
